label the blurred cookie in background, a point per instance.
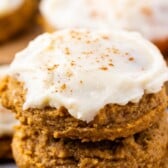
(7, 123)
(88, 98)
(147, 17)
(16, 15)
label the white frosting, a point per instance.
(7, 6)
(84, 70)
(7, 119)
(150, 17)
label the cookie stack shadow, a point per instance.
(134, 135)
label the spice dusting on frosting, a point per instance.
(85, 70)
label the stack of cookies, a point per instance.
(88, 99)
(7, 123)
(15, 16)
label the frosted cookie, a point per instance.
(35, 148)
(15, 15)
(7, 123)
(147, 17)
(91, 85)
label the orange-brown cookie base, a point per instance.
(37, 149)
(112, 121)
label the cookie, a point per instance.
(77, 83)
(7, 123)
(132, 15)
(111, 122)
(15, 16)
(34, 148)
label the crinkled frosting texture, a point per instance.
(84, 70)
(7, 119)
(146, 16)
(7, 6)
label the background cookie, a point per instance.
(15, 16)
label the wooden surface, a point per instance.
(8, 49)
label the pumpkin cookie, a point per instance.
(34, 148)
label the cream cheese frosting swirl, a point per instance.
(149, 17)
(7, 6)
(83, 70)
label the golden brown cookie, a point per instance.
(149, 15)
(15, 21)
(37, 149)
(111, 122)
